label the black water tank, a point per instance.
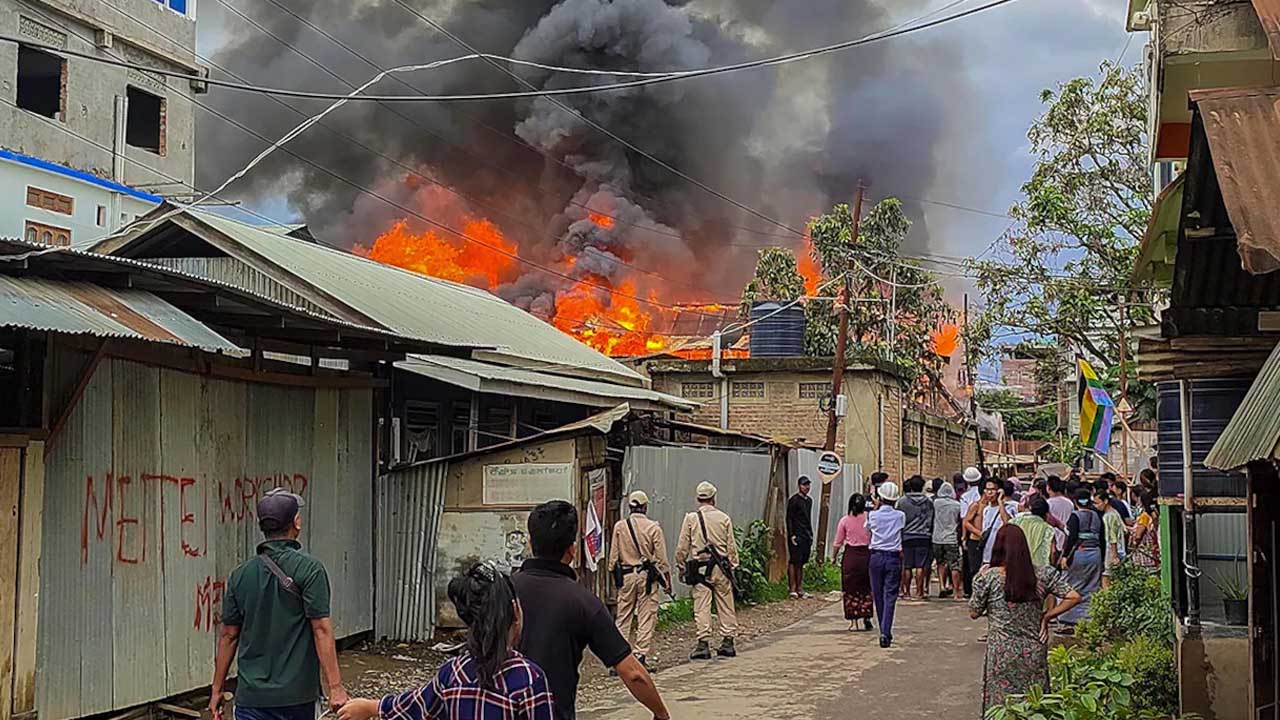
(777, 332)
(1213, 402)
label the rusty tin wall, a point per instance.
(409, 504)
(149, 505)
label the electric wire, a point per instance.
(553, 92)
(443, 226)
(516, 218)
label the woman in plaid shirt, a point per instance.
(490, 680)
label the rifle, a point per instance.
(651, 573)
(717, 560)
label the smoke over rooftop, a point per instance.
(789, 141)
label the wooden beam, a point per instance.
(231, 372)
(81, 384)
(10, 484)
(31, 516)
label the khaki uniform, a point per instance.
(633, 602)
(720, 533)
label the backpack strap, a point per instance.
(286, 582)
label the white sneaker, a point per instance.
(794, 596)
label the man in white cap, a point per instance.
(638, 555)
(885, 524)
(706, 536)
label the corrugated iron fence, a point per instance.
(669, 476)
(149, 504)
(409, 505)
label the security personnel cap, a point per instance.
(706, 491)
(638, 499)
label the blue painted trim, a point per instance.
(65, 171)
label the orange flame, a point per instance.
(449, 259)
(945, 340)
(610, 322)
(808, 267)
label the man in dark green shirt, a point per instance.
(275, 622)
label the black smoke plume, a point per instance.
(789, 141)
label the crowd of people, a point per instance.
(1024, 557)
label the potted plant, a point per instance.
(1235, 595)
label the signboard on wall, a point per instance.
(527, 483)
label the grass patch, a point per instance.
(821, 577)
(675, 613)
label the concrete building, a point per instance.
(786, 398)
(1214, 79)
(86, 147)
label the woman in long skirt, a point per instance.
(855, 578)
(1011, 594)
(1083, 555)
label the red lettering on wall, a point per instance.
(123, 520)
(208, 603)
(100, 511)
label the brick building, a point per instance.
(1019, 375)
(783, 397)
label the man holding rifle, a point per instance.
(707, 555)
(638, 561)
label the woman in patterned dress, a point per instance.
(855, 579)
(1145, 542)
(1012, 593)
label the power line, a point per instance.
(447, 228)
(415, 171)
(553, 92)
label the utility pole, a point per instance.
(972, 386)
(837, 372)
(1124, 386)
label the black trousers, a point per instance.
(972, 563)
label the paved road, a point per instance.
(817, 669)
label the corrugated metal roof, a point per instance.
(420, 306)
(1269, 15)
(72, 260)
(507, 380)
(1254, 430)
(1159, 246)
(600, 423)
(1243, 127)
(81, 308)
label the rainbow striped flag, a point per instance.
(1097, 412)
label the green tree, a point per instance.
(1035, 423)
(1061, 272)
(776, 278)
(916, 303)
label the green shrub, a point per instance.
(675, 612)
(1133, 606)
(1085, 687)
(1154, 671)
(755, 547)
(821, 576)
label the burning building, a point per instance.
(524, 198)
